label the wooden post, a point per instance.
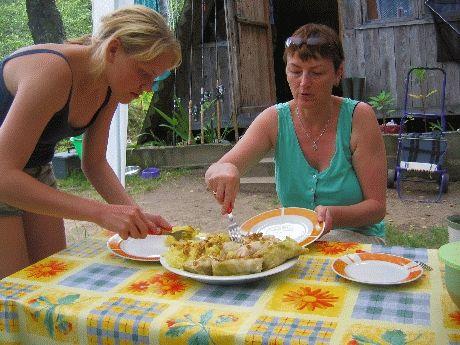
(190, 119)
(218, 112)
(202, 117)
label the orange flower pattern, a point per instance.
(334, 248)
(305, 297)
(48, 269)
(166, 283)
(455, 317)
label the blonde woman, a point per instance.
(53, 91)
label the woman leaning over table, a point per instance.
(329, 153)
(53, 91)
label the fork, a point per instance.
(234, 230)
(423, 265)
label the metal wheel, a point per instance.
(444, 183)
(391, 175)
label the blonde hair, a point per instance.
(142, 32)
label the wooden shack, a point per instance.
(381, 44)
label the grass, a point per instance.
(77, 183)
(433, 237)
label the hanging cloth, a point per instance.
(153, 4)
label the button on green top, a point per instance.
(450, 254)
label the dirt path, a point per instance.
(186, 201)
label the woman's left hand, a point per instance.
(324, 215)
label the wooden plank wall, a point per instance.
(384, 54)
(209, 80)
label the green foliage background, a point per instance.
(14, 32)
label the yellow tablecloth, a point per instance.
(86, 295)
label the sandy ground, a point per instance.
(185, 201)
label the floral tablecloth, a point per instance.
(86, 295)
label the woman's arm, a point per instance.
(370, 164)
(41, 87)
(100, 173)
(223, 177)
(94, 162)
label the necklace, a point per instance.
(314, 141)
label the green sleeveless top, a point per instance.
(300, 185)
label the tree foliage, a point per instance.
(14, 33)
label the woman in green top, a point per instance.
(329, 152)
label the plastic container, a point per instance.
(151, 172)
(453, 227)
(449, 254)
(78, 144)
(132, 170)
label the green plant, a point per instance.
(177, 122)
(436, 126)
(136, 114)
(383, 103)
(421, 77)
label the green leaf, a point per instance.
(177, 331)
(44, 299)
(223, 319)
(204, 319)
(164, 116)
(69, 299)
(199, 338)
(395, 337)
(49, 323)
(362, 340)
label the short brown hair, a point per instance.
(313, 41)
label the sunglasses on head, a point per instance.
(298, 41)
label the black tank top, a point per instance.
(57, 128)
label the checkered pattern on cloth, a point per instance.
(244, 295)
(317, 269)
(454, 339)
(286, 330)
(122, 320)
(8, 309)
(402, 307)
(409, 253)
(85, 249)
(99, 277)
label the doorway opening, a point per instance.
(287, 17)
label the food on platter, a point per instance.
(217, 255)
(187, 233)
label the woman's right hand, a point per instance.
(223, 179)
(127, 221)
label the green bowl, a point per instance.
(450, 255)
(78, 144)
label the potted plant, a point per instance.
(383, 104)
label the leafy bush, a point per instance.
(15, 33)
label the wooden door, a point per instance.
(251, 58)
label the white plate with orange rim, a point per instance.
(146, 249)
(230, 280)
(377, 268)
(300, 224)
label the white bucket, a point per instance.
(453, 227)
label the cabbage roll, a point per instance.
(235, 267)
(280, 252)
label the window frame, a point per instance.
(418, 9)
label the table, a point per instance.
(86, 295)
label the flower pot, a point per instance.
(453, 227)
(390, 129)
